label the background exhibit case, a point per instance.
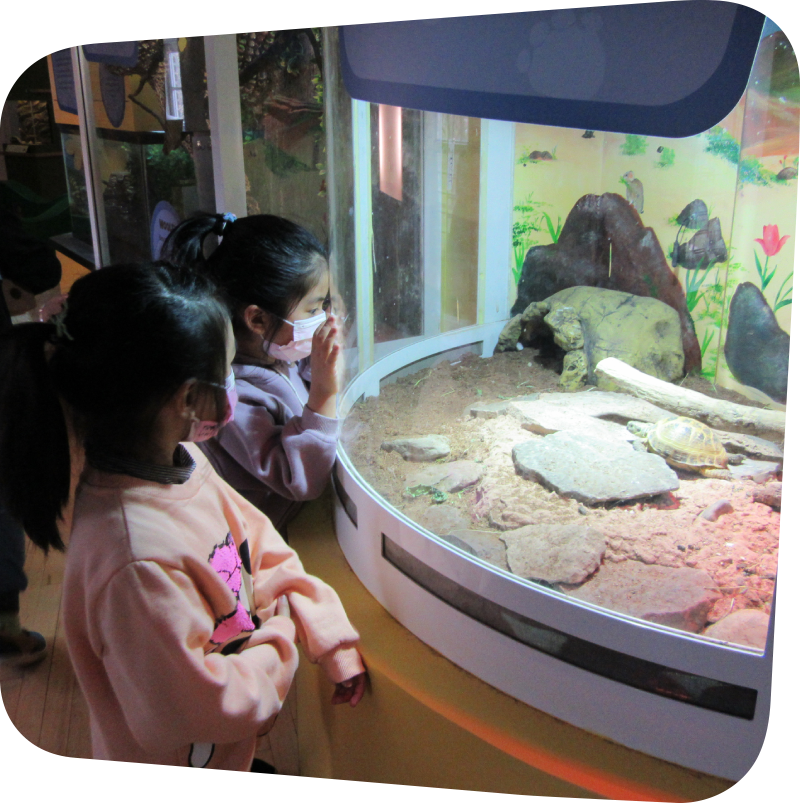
(488, 254)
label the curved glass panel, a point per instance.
(531, 459)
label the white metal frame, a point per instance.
(87, 126)
(225, 117)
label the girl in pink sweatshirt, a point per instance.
(280, 448)
(182, 604)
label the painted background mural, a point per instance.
(721, 206)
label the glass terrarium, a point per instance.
(508, 486)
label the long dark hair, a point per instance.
(130, 337)
(264, 260)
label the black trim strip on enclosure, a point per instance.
(347, 503)
(675, 684)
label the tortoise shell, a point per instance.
(686, 443)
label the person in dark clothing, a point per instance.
(28, 266)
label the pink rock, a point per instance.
(748, 626)
(679, 598)
(717, 509)
(770, 495)
(555, 553)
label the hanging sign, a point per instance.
(64, 81)
(120, 54)
(112, 91)
(164, 220)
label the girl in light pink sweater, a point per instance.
(182, 604)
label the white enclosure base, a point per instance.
(686, 734)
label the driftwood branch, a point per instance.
(714, 412)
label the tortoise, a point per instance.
(686, 444)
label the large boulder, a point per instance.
(756, 348)
(605, 244)
(596, 323)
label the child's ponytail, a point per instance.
(185, 245)
(34, 444)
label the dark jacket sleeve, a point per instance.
(27, 261)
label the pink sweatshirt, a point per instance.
(169, 595)
(276, 452)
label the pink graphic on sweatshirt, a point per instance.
(227, 563)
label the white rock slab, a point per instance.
(593, 470)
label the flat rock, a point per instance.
(443, 519)
(679, 598)
(619, 407)
(449, 477)
(592, 470)
(488, 410)
(750, 445)
(419, 450)
(753, 469)
(483, 545)
(747, 626)
(555, 553)
(545, 419)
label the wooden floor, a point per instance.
(45, 703)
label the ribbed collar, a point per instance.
(176, 474)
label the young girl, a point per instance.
(181, 602)
(281, 446)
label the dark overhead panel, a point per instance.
(670, 69)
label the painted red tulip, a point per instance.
(772, 242)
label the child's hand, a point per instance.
(350, 691)
(325, 369)
(282, 606)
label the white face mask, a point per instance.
(300, 345)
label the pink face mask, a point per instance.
(300, 346)
(204, 430)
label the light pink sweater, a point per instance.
(158, 598)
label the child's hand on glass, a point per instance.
(350, 691)
(325, 370)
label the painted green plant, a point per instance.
(708, 336)
(634, 144)
(555, 231)
(531, 218)
(720, 142)
(709, 369)
(782, 298)
(667, 157)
